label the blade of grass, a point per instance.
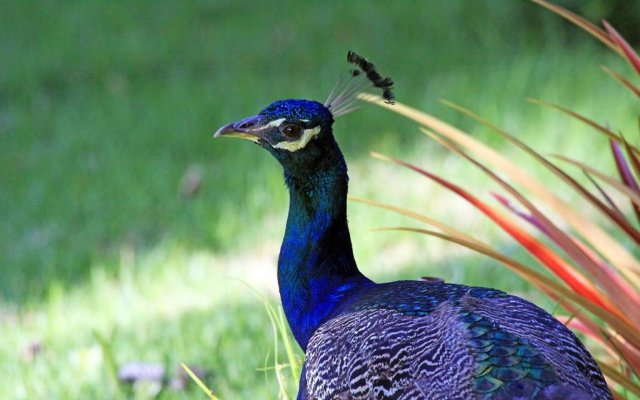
(603, 193)
(294, 363)
(630, 354)
(623, 81)
(623, 166)
(591, 123)
(617, 395)
(602, 241)
(614, 285)
(198, 382)
(526, 272)
(279, 328)
(633, 196)
(613, 373)
(444, 227)
(598, 238)
(613, 215)
(635, 162)
(452, 232)
(581, 22)
(608, 279)
(110, 363)
(277, 367)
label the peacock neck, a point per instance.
(316, 267)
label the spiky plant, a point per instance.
(597, 272)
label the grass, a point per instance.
(105, 106)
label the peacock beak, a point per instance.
(249, 128)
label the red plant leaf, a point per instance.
(624, 262)
(619, 220)
(625, 172)
(591, 172)
(537, 249)
(527, 217)
(628, 51)
(635, 161)
(623, 166)
(608, 278)
(612, 282)
(602, 192)
(581, 22)
(605, 244)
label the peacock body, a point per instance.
(404, 339)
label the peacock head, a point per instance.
(298, 132)
(290, 129)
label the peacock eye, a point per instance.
(291, 130)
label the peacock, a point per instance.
(402, 339)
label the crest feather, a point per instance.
(343, 97)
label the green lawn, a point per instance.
(106, 106)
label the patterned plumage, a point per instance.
(405, 339)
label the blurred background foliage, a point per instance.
(105, 106)
(115, 200)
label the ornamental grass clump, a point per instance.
(594, 267)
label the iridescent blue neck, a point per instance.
(316, 268)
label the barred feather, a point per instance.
(417, 340)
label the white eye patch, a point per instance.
(275, 123)
(305, 138)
